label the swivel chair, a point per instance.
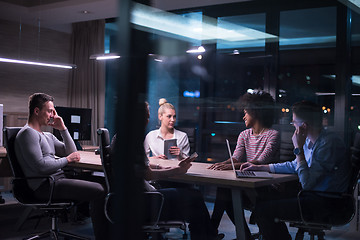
(25, 195)
(152, 200)
(316, 225)
(192, 136)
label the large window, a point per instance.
(307, 58)
(290, 51)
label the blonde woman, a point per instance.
(154, 141)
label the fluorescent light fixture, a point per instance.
(8, 60)
(333, 94)
(353, 4)
(105, 56)
(306, 40)
(227, 122)
(355, 79)
(250, 91)
(324, 94)
(205, 28)
(200, 49)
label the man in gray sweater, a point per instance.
(36, 152)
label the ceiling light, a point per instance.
(37, 63)
(353, 4)
(104, 56)
(200, 49)
(85, 12)
(206, 28)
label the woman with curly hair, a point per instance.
(258, 144)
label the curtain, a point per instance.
(87, 83)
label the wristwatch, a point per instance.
(297, 151)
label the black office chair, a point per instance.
(191, 133)
(24, 194)
(152, 200)
(316, 225)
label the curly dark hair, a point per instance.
(260, 105)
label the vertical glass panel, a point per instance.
(355, 68)
(238, 66)
(174, 75)
(307, 59)
(175, 71)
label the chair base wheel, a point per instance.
(55, 235)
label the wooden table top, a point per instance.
(198, 173)
(2, 152)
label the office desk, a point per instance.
(199, 174)
(5, 170)
(2, 152)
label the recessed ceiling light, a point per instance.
(85, 12)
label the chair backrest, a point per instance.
(9, 140)
(21, 190)
(191, 133)
(105, 155)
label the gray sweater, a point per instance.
(36, 153)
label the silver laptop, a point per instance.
(246, 174)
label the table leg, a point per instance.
(238, 213)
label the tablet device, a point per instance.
(168, 143)
(191, 158)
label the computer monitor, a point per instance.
(78, 122)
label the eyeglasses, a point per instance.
(298, 122)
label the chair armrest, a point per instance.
(152, 207)
(109, 199)
(153, 204)
(324, 194)
(51, 180)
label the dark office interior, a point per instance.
(295, 50)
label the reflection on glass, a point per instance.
(308, 28)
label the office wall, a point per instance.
(18, 81)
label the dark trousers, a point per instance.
(188, 204)
(223, 202)
(80, 191)
(314, 208)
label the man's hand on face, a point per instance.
(57, 122)
(299, 136)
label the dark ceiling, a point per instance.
(32, 3)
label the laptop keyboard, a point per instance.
(245, 173)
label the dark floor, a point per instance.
(11, 211)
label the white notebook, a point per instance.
(246, 174)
